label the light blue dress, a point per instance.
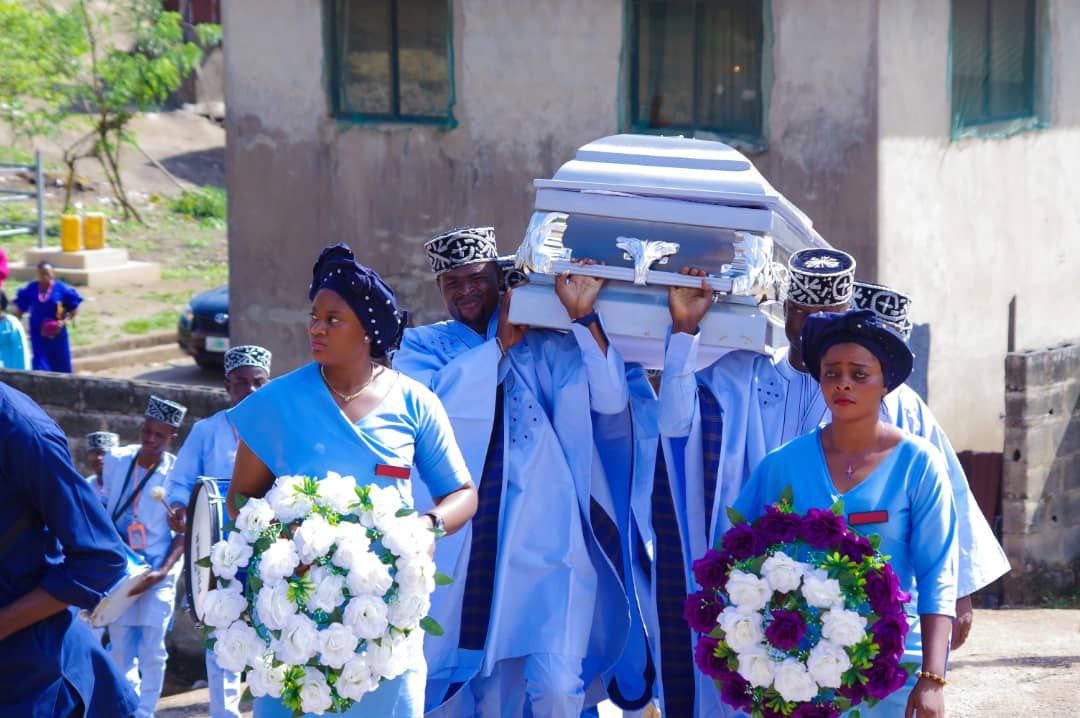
(294, 426)
(919, 534)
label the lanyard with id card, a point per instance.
(136, 531)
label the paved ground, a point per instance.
(180, 370)
(1018, 662)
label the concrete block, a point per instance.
(1070, 439)
(109, 395)
(1018, 516)
(1051, 366)
(1051, 402)
(123, 275)
(84, 259)
(1016, 371)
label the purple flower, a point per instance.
(816, 710)
(889, 633)
(855, 693)
(775, 526)
(706, 660)
(743, 541)
(735, 691)
(701, 610)
(823, 529)
(882, 589)
(786, 630)
(856, 547)
(711, 570)
(886, 677)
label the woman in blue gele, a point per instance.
(344, 412)
(891, 483)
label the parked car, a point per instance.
(203, 329)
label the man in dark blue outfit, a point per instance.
(51, 664)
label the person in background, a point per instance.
(98, 444)
(14, 346)
(51, 304)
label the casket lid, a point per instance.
(676, 168)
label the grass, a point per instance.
(212, 274)
(16, 156)
(157, 322)
(173, 299)
(1062, 599)
(207, 204)
(86, 330)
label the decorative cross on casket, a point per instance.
(647, 207)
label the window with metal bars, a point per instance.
(392, 60)
(696, 65)
(993, 61)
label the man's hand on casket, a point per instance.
(688, 305)
(508, 334)
(578, 292)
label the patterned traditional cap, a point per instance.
(102, 440)
(165, 411)
(247, 355)
(461, 246)
(820, 277)
(889, 305)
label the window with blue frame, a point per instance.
(696, 65)
(993, 61)
(392, 60)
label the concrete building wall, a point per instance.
(965, 226)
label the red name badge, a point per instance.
(861, 518)
(393, 472)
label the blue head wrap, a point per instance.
(858, 326)
(370, 298)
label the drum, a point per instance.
(206, 519)
(117, 600)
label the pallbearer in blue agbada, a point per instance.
(210, 450)
(344, 413)
(891, 484)
(537, 614)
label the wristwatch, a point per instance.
(439, 524)
(587, 319)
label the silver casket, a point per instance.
(647, 207)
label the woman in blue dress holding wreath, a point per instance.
(344, 413)
(890, 483)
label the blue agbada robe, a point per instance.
(67, 547)
(50, 354)
(294, 426)
(920, 534)
(558, 583)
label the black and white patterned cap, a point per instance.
(163, 410)
(461, 246)
(102, 440)
(820, 277)
(889, 305)
(247, 355)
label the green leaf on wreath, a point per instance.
(239, 500)
(842, 702)
(441, 579)
(787, 496)
(431, 626)
(246, 695)
(717, 632)
(875, 541)
(229, 526)
(203, 562)
(837, 508)
(404, 511)
(254, 583)
(735, 517)
(855, 714)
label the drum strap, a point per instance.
(127, 479)
(13, 532)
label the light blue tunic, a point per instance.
(294, 426)
(555, 589)
(920, 534)
(210, 450)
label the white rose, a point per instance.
(278, 561)
(356, 679)
(351, 541)
(386, 502)
(827, 663)
(415, 574)
(314, 538)
(337, 644)
(793, 682)
(274, 607)
(741, 630)
(369, 576)
(407, 610)
(367, 617)
(756, 666)
(265, 679)
(820, 591)
(286, 499)
(390, 658)
(843, 627)
(299, 640)
(222, 606)
(747, 591)
(237, 646)
(315, 692)
(783, 573)
(337, 493)
(407, 536)
(254, 518)
(329, 590)
(229, 555)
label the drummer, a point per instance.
(97, 443)
(131, 473)
(210, 450)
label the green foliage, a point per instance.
(431, 626)
(145, 325)
(441, 579)
(735, 517)
(208, 204)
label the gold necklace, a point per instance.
(347, 397)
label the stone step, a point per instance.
(122, 275)
(128, 357)
(140, 341)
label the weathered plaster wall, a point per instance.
(965, 226)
